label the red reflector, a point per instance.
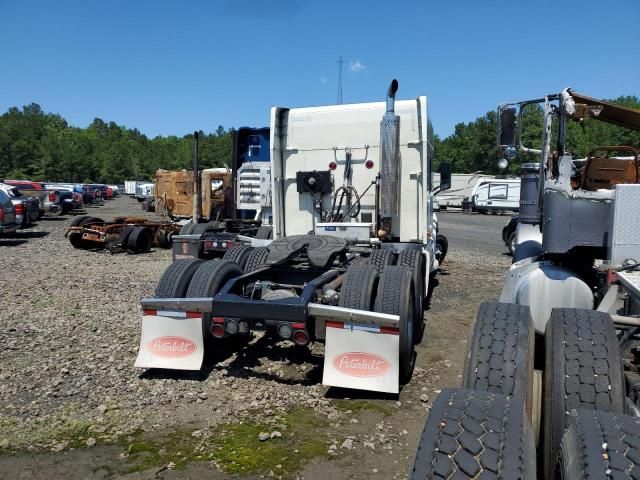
(333, 166)
(218, 331)
(390, 330)
(194, 315)
(298, 325)
(301, 337)
(334, 324)
(369, 164)
(149, 312)
(218, 319)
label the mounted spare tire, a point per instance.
(500, 355)
(395, 296)
(598, 444)
(175, 279)
(471, 434)
(583, 369)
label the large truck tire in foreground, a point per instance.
(575, 282)
(349, 264)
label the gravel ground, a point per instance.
(73, 406)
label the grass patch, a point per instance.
(64, 426)
(236, 449)
(357, 406)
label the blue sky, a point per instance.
(169, 67)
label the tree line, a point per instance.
(472, 146)
(43, 146)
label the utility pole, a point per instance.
(340, 80)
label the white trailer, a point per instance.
(496, 195)
(355, 244)
(130, 187)
(462, 184)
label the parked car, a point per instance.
(27, 208)
(7, 214)
(69, 200)
(49, 198)
(509, 235)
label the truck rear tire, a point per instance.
(395, 296)
(75, 238)
(124, 235)
(201, 228)
(380, 258)
(500, 355)
(175, 279)
(187, 228)
(238, 255)
(415, 261)
(209, 278)
(359, 287)
(139, 240)
(473, 434)
(256, 259)
(76, 221)
(264, 233)
(583, 369)
(89, 220)
(599, 444)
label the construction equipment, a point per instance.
(568, 320)
(349, 265)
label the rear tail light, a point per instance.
(20, 209)
(301, 337)
(1, 214)
(52, 197)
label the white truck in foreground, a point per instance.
(354, 248)
(555, 364)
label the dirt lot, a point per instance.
(73, 406)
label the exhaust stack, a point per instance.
(389, 161)
(196, 179)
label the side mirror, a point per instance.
(445, 176)
(506, 126)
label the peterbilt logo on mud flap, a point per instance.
(171, 347)
(361, 364)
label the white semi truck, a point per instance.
(553, 368)
(353, 252)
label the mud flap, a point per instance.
(171, 340)
(362, 357)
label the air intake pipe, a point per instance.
(389, 162)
